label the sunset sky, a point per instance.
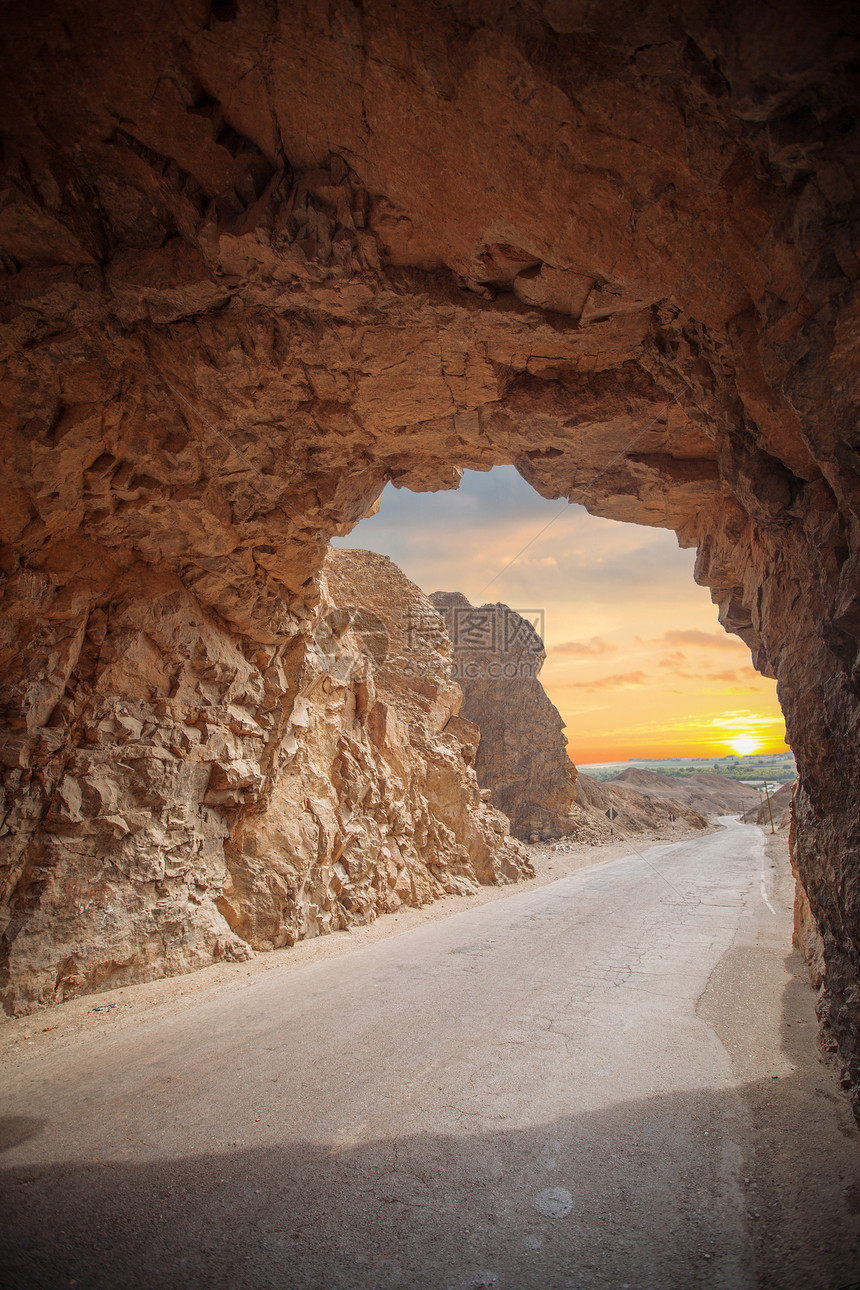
(637, 662)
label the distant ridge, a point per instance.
(705, 792)
(778, 767)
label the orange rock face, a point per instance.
(372, 801)
(259, 261)
(180, 801)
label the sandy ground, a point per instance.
(26, 1039)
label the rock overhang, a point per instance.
(257, 263)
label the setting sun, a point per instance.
(745, 745)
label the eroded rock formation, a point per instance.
(378, 804)
(522, 756)
(260, 259)
(193, 799)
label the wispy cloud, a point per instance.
(618, 681)
(613, 595)
(596, 645)
(710, 640)
(743, 719)
(460, 540)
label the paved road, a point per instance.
(609, 1081)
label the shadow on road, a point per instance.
(635, 1195)
(757, 1185)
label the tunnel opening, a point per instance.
(582, 640)
(637, 662)
(225, 329)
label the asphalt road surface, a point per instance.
(609, 1081)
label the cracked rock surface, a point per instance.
(196, 803)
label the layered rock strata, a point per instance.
(522, 757)
(259, 260)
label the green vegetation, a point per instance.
(775, 767)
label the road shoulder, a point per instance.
(803, 1204)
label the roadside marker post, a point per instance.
(769, 811)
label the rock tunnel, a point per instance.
(260, 259)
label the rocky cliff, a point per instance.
(191, 797)
(522, 757)
(258, 260)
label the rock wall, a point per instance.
(378, 804)
(176, 794)
(522, 756)
(259, 260)
(806, 933)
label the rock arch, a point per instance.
(260, 259)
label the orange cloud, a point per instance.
(618, 681)
(629, 592)
(692, 636)
(594, 646)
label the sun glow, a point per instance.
(745, 745)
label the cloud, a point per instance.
(618, 681)
(496, 527)
(613, 594)
(596, 645)
(743, 719)
(675, 664)
(691, 636)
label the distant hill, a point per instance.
(638, 811)
(777, 768)
(704, 791)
